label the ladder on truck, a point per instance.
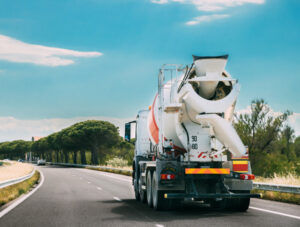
(170, 73)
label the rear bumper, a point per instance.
(209, 196)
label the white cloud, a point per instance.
(212, 5)
(293, 120)
(159, 1)
(17, 51)
(13, 129)
(216, 5)
(206, 18)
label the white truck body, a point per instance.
(183, 141)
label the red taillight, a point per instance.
(247, 176)
(167, 176)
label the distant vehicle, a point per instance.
(20, 160)
(6, 160)
(41, 162)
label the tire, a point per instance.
(159, 202)
(143, 196)
(243, 205)
(136, 187)
(157, 196)
(237, 204)
(149, 189)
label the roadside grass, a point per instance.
(279, 196)
(10, 193)
(117, 162)
(289, 179)
(120, 167)
(117, 171)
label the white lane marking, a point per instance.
(99, 188)
(117, 198)
(89, 182)
(275, 212)
(159, 225)
(22, 198)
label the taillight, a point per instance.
(167, 176)
(247, 176)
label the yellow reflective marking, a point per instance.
(240, 162)
(207, 171)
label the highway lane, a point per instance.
(81, 197)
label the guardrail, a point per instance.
(7, 183)
(277, 187)
(256, 185)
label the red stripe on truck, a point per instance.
(153, 128)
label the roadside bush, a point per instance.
(279, 196)
(117, 162)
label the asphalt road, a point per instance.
(81, 197)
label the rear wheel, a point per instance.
(238, 204)
(149, 189)
(142, 192)
(157, 196)
(243, 204)
(159, 201)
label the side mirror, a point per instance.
(127, 132)
(127, 136)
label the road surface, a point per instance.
(81, 197)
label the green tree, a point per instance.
(55, 143)
(125, 151)
(297, 146)
(97, 136)
(260, 131)
(15, 149)
(287, 136)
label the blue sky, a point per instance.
(110, 52)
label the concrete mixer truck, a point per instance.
(186, 147)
